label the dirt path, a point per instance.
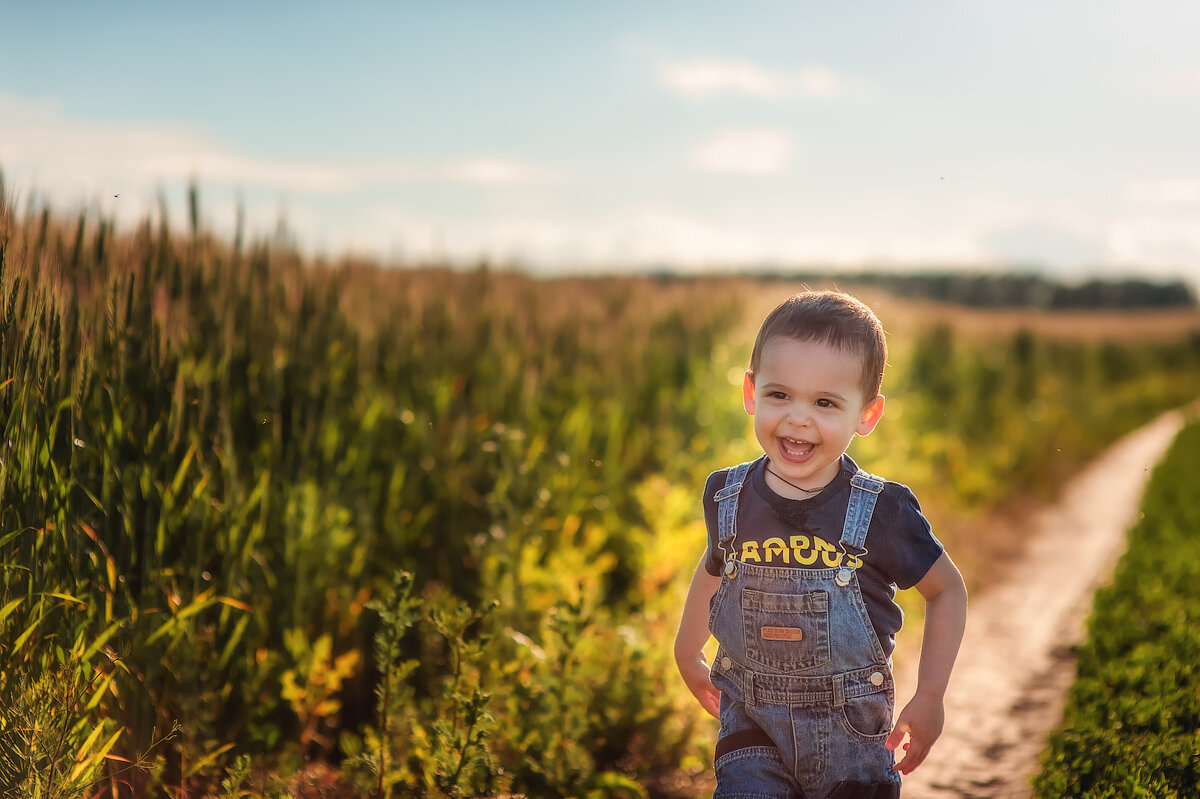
(1016, 663)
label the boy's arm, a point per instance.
(945, 619)
(693, 635)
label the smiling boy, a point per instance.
(805, 554)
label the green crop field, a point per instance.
(1132, 722)
(272, 525)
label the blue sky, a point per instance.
(617, 135)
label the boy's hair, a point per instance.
(834, 318)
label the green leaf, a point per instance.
(7, 610)
(100, 641)
(176, 621)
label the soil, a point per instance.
(1017, 659)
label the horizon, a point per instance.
(868, 273)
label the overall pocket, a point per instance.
(786, 632)
(869, 716)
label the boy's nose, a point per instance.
(798, 417)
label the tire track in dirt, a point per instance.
(1016, 661)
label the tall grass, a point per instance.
(217, 457)
(213, 459)
(981, 419)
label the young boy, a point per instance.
(805, 553)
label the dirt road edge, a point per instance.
(1016, 662)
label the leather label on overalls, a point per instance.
(782, 634)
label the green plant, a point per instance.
(397, 611)
(238, 774)
(53, 745)
(311, 687)
(1132, 722)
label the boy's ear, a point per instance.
(870, 416)
(748, 393)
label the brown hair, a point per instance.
(834, 318)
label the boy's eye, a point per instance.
(777, 395)
(826, 403)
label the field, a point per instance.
(271, 525)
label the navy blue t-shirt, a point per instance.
(804, 533)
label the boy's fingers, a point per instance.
(711, 701)
(895, 738)
(914, 754)
(707, 695)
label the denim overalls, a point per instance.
(806, 692)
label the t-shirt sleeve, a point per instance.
(908, 539)
(712, 561)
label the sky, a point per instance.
(1050, 135)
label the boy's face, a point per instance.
(807, 403)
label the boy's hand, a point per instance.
(922, 721)
(945, 616)
(695, 674)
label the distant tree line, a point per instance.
(982, 290)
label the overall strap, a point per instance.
(727, 507)
(864, 490)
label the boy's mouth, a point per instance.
(794, 449)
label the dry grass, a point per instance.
(902, 316)
(1089, 326)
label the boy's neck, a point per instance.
(788, 490)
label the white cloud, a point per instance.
(121, 170)
(1159, 232)
(1177, 82)
(1042, 241)
(704, 77)
(819, 82)
(496, 170)
(38, 142)
(1175, 191)
(43, 148)
(1157, 243)
(58, 155)
(663, 236)
(657, 235)
(750, 151)
(637, 237)
(701, 78)
(389, 230)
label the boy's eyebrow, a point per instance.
(823, 392)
